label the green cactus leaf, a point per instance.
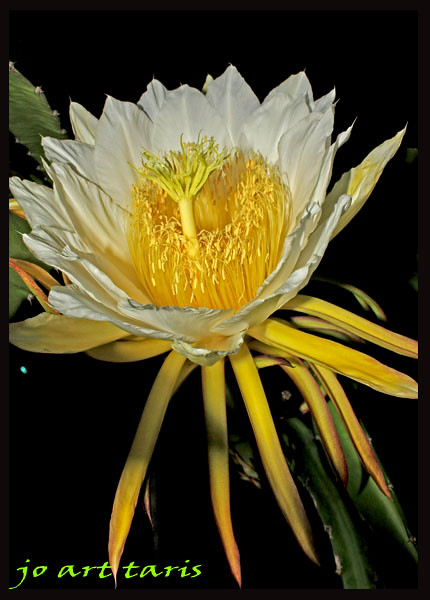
(30, 116)
(383, 515)
(411, 154)
(348, 545)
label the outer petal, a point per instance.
(140, 455)
(129, 350)
(213, 382)
(336, 357)
(186, 112)
(359, 438)
(274, 463)
(84, 124)
(58, 334)
(360, 181)
(233, 99)
(354, 324)
(123, 131)
(314, 398)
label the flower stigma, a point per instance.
(182, 175)
(207, 241)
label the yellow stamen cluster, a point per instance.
(241, 216)
(182, 175)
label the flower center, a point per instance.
(206, 229)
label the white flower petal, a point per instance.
(98, 221)
(84, 124)
(58, 249)
(298, 238)
(76, 302)
(187, 112)
(323, 103)
(39, 204)
(296, 86)
(123, 132)
(360, 181)
(320, 189)
(263, 129)
(233, 99)
(77, 155)
(153, 99)
(302, 149)
(65, 250)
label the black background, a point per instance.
(73, 418)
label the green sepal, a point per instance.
(30, 116)
(310, 467)
(18, 291)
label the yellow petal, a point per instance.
(186, 370)
(270, 449)
(314, 398)
(140, 455)
(130, 350)
(320, 326)
(57, 334)
(360, 181)
(218, 453)
(354, 324)
(336, 357)
(355, 430)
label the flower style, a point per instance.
(181, 224)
